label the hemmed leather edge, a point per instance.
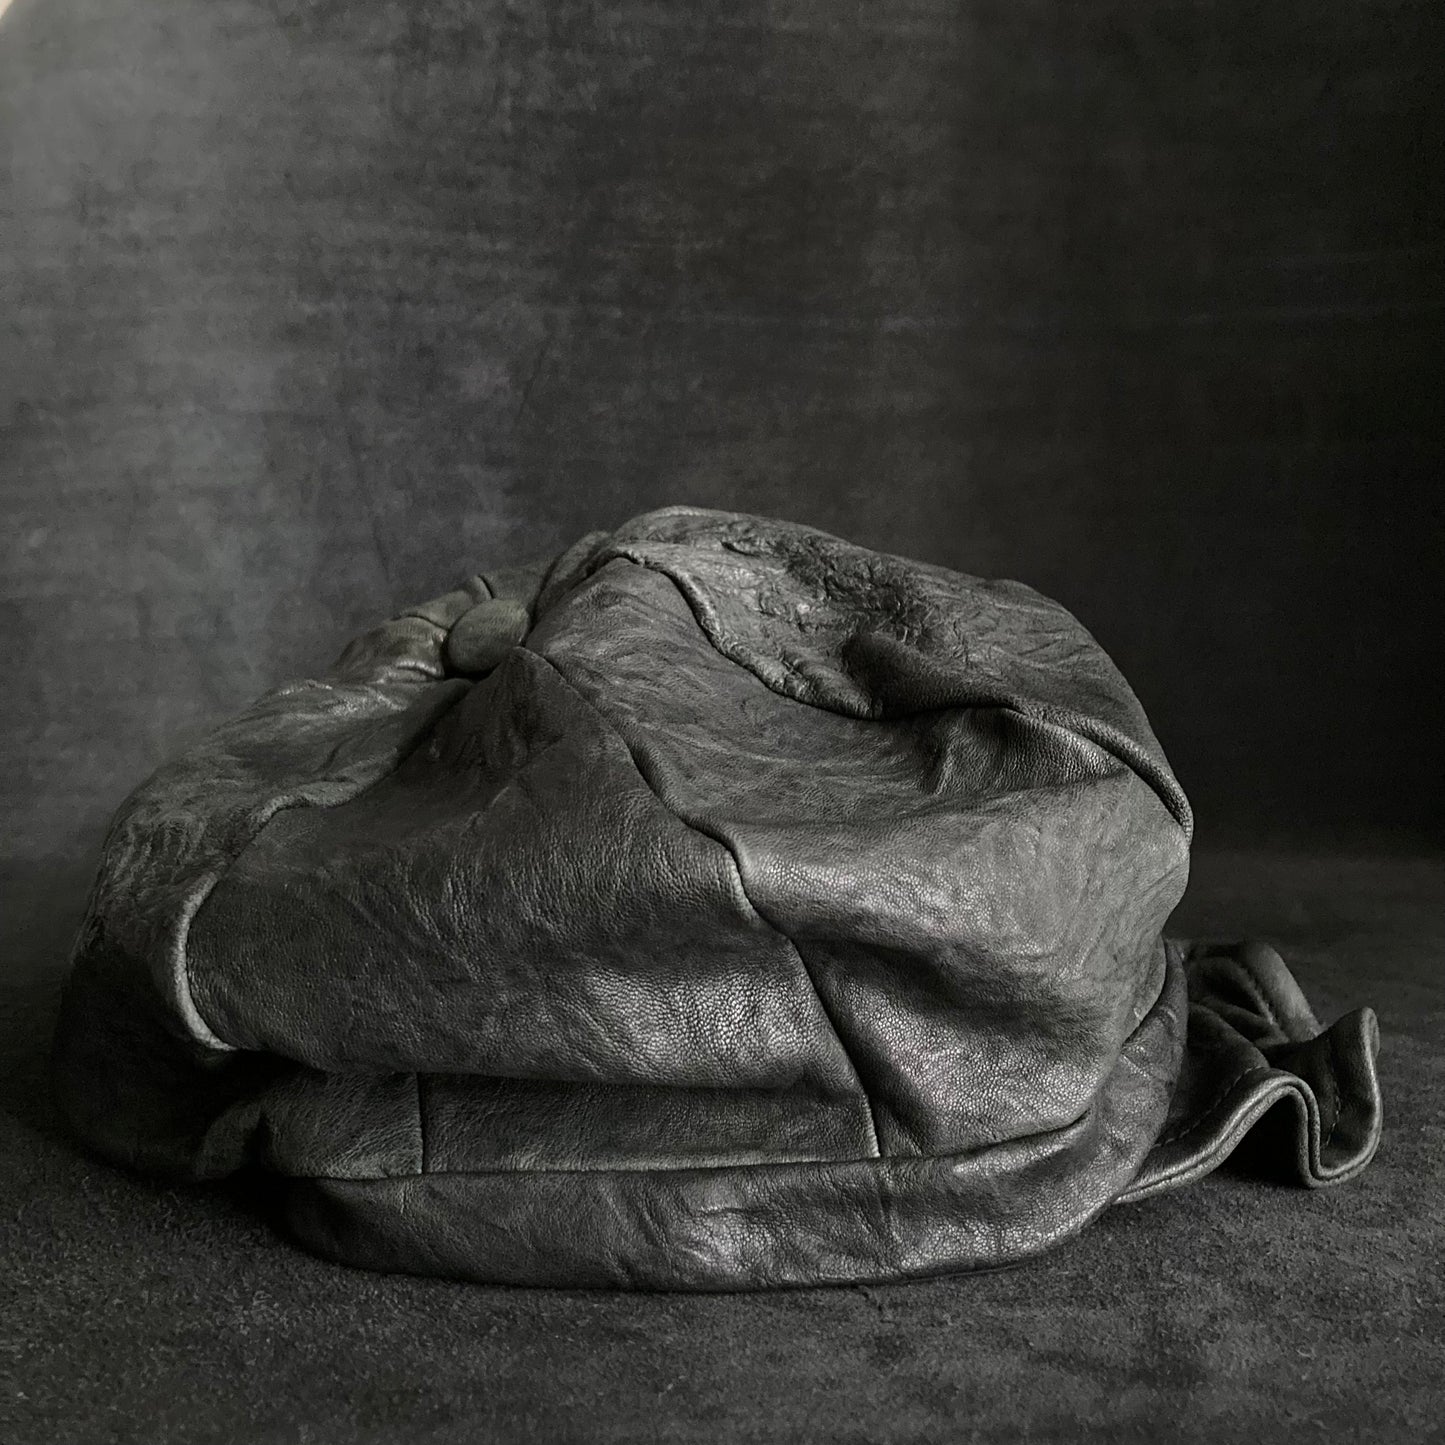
(1249, 1022)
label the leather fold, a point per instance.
(718, 905)
(1262, 1080)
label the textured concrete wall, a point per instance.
(307, 310)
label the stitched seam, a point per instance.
(904, 1162)
(1257, 997)
(1203, 1114)
(742, 889)
(1188, 1169)
(1152, 1019)
(1311, 1026)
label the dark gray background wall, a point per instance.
(310, 309)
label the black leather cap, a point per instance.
(718, 906)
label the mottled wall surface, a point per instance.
(307, 310)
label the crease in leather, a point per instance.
(800, 1166)
(1077, 724)
(1344, 1082)
(736, 869)
(284, 802)
(1169, 1109)
(1240, 1108)
(415, 613)
(835, 1222)
(1151, 1018)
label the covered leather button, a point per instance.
(482, 636)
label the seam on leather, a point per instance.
(1280, 1003)
(787, 938)
(742, 889)
(867, 1098)
(1261, 1001)
(876, 1161)
(1152, 1019)
(1280, 1086)
(1077, 725)
(1201, 1116)
(184, 988)
(284, 802)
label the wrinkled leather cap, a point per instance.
(720, 905)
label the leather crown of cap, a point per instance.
(716, 905)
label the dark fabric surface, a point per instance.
(1235, 1310)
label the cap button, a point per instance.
(483, 635)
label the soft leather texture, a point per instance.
(719, 905)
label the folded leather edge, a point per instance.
(761, 1226)
(1326, 1078)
